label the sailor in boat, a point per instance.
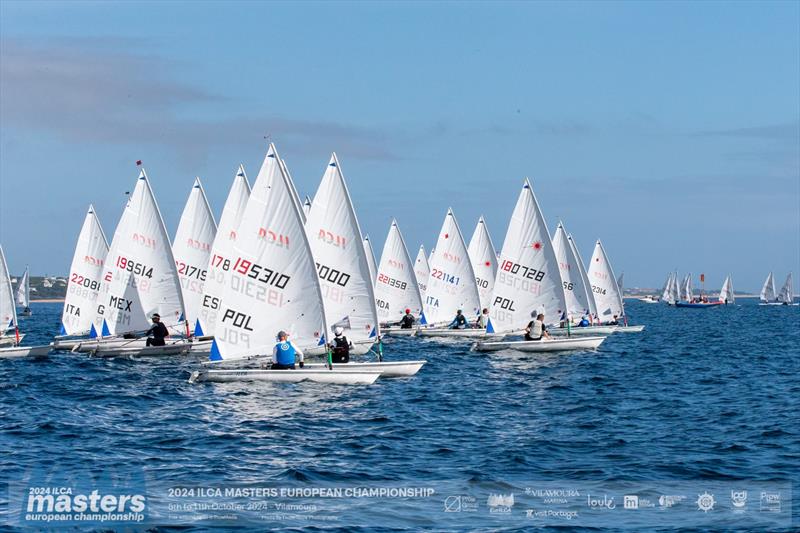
(614, 321)
(407, 322)
(584, 322)
(459, 322)
(563, 320)
(536, 329)
(157, 333)
(483, 319)
(285, 354)
(340, 347)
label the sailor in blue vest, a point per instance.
(285, 354)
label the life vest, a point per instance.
(286, 353)
(537, 329)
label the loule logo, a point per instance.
(597, 503)
(63, 504)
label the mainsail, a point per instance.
(336, 242)
(192, 249)
(396, 288)
(451, 284)
(217, 277)
(422, 271)
(140, 268)
(24, 290)
(528, 279)
(271, 281)
(768, 293)
(726, 293)
(373, 265)
(483, 256)
(8, 311)
(786, 295)
(607, 295)
(575, 294)
(85, 278)
(675, 292)
(686, 288)
(587, 287)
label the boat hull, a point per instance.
(142, 351)
(10, 340)
(629, 329)
(388, 369)
(336, 377)
(399, 332)
(358, 348)
(697, 305)
(447, 332)
(24, 351)
(589, 330)
(544, 345)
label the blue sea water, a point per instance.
(701, 404)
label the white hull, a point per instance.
(359, 348)
(544, 345)
(114, 343)
(141, 351)
(24, 351)
(778, 303)
(629, 329)
(588, 330)
(649, 300)
(388, 369)
(399, 332)
(335, 376)
(10, 340)
(447, 332)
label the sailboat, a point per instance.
(194, 239)
(451, 285)
(422, 271)
(141, 279)
(84, 284)
(584, 277)
(786, 296)
(336, 243)
(607, 295)
(373, 265)
(576, 295)
(217, 277)
(273, 285)
(528, 283)
(769, 296)
(701, 302)
(24, 293)
(9, 343)
(669, 291)
(483, 257)
(396, 288)
(726, 295)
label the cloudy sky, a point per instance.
(669, 130)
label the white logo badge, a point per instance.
(739, 498)
(630, 501)
(705, 502)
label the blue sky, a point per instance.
(669, 130)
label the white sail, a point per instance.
(786, 295)
(451, 283)
(422, 271)
(686, 293)
(396, 288)
(584, 276)
(620, 282)
(726, 293)
(306, 207)
(768, 293)
(85, 279)
(575, 294)
(373, 265)
(271, 281)
(140, 268)
(224, 239)
(24, 290)
(8, 311)
(295, 195)
(607, 295)
(675, 292)
(528, 279)
(665, 291)
(483, 256)
(192, 249)
(336, 242)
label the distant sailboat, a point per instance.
(396, 288)
(768, 292)
(786, 296)
(422, 270)
(24, 293)
(607, 295)
(10, 335)
(726, 295)
(690, 301)
(483, 257)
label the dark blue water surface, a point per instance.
(703, 402)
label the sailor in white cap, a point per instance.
(340, 346)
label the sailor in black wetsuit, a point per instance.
(156, 334)
(407, 322)
(459, 322)
(340, 347)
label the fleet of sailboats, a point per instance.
(275, 262)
